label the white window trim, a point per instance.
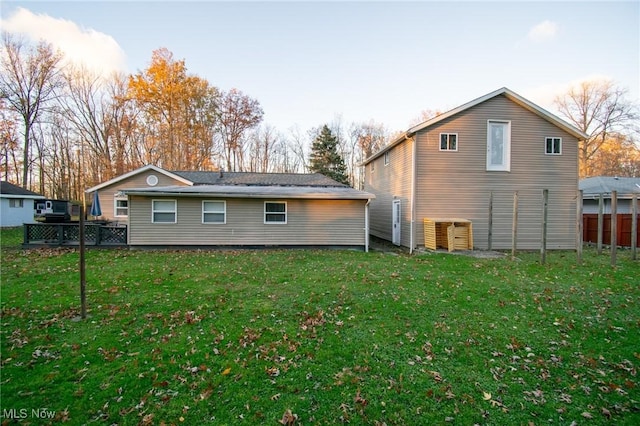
(174, 211)
(545, 145)
(224, 212)
(448, 134)
(387, 159)
(115, 206)
(506, 166)
(286, 213)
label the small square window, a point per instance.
(448, 141)
(275, 212)
(214, 212)
(386, 158)
(553, 146)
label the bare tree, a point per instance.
(28, 80)
(237, 114)
(598, 108)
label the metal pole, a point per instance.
(83, 281)
(579, 227)
(634, 227)
(514, 228)
(614, 227)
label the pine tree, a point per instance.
(325, 158)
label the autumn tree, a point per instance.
(324, 157)
(598, 108)
(178, 112)
(617, 156)
(29, 78)
(237, 113)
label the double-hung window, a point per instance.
(164, 211)
(553, 146)
(498, 145)
(214, 212)
(121, 207)
(448, 141)
(275, 212)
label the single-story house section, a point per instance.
(468, 164)
(235, 209)
(592, 187)
(16, 205)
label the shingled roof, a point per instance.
(10, 189)
(606, 184)
(259, 179)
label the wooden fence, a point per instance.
(623, 229)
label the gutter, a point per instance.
(366, 226)
(414, 162)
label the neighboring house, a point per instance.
(594, 186)
(452, 165)
(16, 205)
(194, 208)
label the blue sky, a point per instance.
(310, 62)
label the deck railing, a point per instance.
(67, 234)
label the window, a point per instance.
(120, 207)
(553, 146)
(16, 202)
(448, 141)
(373, 166)
(386, 158)
(275, 212)
(214, 212)
(498, 145)
(164, 211)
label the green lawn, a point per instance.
(318, 337)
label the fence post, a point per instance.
(514, 227)
(634, 226)
(614, 227)
(600, 222)
(545, 205)
(490, 232)
(579, 227)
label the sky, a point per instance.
(311, 63)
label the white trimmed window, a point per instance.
(448, 141)
(120, 207)
(164, 211)
(214, 212)
(498, 145)
(275, 212)
(16, 202)
(386, 158)
(553, 146)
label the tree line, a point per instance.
(64, 128)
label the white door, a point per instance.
(396, 222)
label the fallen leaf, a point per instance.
(226, 371)
(288, 418)
(486, 396)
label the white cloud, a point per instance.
(544, 31)
(81, 46)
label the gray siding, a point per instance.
(137, 181)
(309, 222)
(457, 184)
(389, 182)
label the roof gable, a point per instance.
(136, 172)
(509, 94)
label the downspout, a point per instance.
(366, 226)
(414, 161)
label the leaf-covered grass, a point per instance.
(319, 337)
